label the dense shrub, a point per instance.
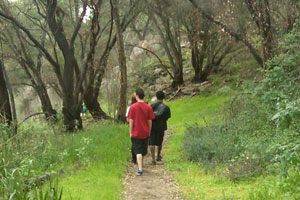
(248, 142)
(210, 145)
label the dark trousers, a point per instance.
(133, 159)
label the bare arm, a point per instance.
(130, 126)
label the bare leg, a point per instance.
(139, 158)
(152, 149)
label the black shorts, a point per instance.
(139, 146)
(156, 138)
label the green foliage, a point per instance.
(259, 141)
(262, 125)
(24, 157)
(224, 90)
(210, 145)
(279, 92)
(50, 192)
(37, 152)
(237, 144)
(145, 72)
(195, 182)
(278, 188)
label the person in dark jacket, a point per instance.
(159, 124)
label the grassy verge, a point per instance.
(194, 181)
(89, 162)
(101, 178)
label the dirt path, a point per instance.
(155, 183)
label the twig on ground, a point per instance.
(179, 89)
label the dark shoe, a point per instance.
(153, 162)
(138, 172)
(159, 158)
(134, 161)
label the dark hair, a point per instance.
(160, 95)
(133, 98)
(140, 92)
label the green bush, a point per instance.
(210, 145)
(247, 144)
(224, 90)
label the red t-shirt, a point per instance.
(140, 113)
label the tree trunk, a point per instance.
(197, 75)
(197, 61)
(96, 111)
(47, 108)
(71, 110)
(5, 110)
(205, 73)
(122, 62)
(92, 104)
(39, 86)
(71, 106)
(72, 118)
(178, 78)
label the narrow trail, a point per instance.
(155, 183)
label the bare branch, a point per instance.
(31, 37)
(230, 32)
(78, 25)
(160, 61)
(38, 9)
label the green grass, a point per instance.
(101, 178)
(90, 163)
(194, 182)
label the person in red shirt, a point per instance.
(140, 117)
(133, 100)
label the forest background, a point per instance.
(56, 55)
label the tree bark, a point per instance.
(47, 108)
(5, 109)
(71, 106)
(91, 99)
(122, 62)
(198, 56)
(94, 107)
